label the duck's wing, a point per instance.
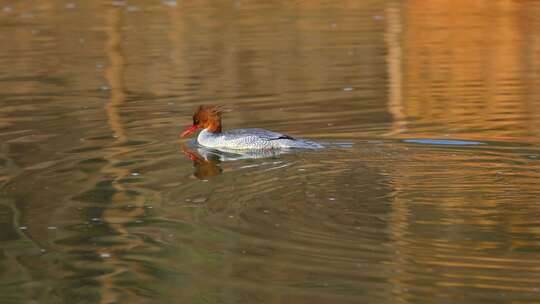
(259, 133)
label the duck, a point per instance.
(209, 119)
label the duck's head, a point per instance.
(207, 117)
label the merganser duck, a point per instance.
(208, 118)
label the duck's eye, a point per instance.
(195, 121)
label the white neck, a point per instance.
(209, 139)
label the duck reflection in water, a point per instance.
(207, 161)
(204, 166)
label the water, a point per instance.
(428, 193)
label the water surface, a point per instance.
(428, 192)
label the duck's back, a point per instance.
(252, 139)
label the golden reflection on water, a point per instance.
(115, 217)
(467, 70)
